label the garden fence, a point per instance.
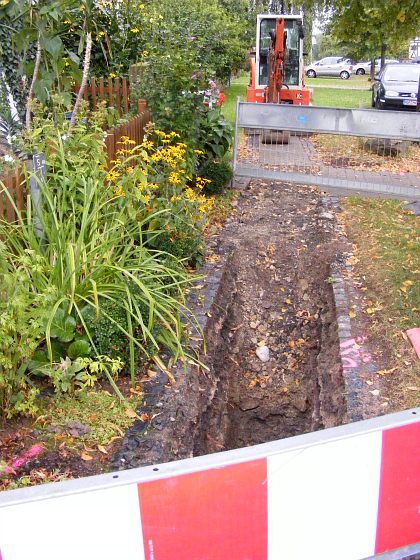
(133, 129)
(116, 92)
(15, 181)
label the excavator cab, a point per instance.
(291, 89)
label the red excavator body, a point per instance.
(277, 69)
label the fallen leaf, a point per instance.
(144, 417)
(130, 413)
(352, 314)
(102, 449)
(375, 392)
(85, 456)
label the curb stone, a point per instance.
(356, 358)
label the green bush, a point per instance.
(219, 174)
(184, 241)
(215, 136)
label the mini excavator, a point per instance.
(277, 69)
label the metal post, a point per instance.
(38, 169)
(235, 140)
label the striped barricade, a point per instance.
(344, 493)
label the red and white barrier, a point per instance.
(327, 495)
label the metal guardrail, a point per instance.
(351, 149)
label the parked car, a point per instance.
(364, 67)
(330, 66)
(396, 87)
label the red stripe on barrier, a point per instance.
(218, 514)
(399, 495)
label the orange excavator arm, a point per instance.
(276, 57)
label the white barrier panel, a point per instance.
(345, 493)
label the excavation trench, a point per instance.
(272, 291)
(282, 302)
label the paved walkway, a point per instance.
(298, 161)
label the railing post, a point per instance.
(142, 105)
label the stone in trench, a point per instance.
(263, 353)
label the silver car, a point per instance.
(364, 67)
(337, 66)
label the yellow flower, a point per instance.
(146, 198)
(112, 175)
(174, 178)
(112, 75)
(199, 152)
(145, 53)
(141, 6)
(153, 186)
(147, 144)
(130, 169)
(134, 30)
(156, 156)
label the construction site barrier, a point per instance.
(344, 493)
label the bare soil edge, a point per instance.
(192, 417)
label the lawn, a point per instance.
(386, 241)
(354, 82)
(237, 88)
(346, 98)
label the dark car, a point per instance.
(396, 87)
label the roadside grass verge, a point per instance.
(353, 82)
(346, 98)
(237, 88)
(386, 239)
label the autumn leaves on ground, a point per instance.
(386, 264)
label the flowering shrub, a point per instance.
(157, 177)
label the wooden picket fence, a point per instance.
(16, 183)
(116, 92)
(133, 129)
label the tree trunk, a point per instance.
(372, 69)
(383, 51)
(34, 78)
(86, 65)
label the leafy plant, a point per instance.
(21, 331)
(219, 173)
(215, 136)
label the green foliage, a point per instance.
(104, 415)
(21, 331)
(182, 240)
(215, 134)
(219, 173)
(90, 250)
(367, 28)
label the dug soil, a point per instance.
(278, 370)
